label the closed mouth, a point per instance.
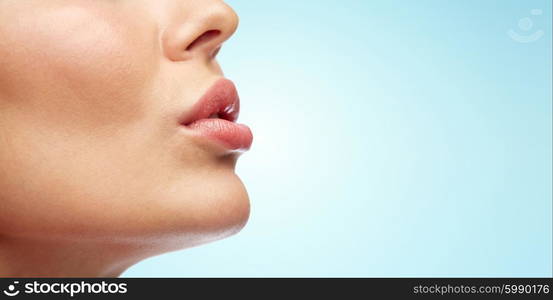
(214, 116)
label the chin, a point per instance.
(214, 210)
(225, 212)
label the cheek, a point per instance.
(89, 63)
(73, 81)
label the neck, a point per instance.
(40, 258)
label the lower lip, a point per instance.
(232, 136)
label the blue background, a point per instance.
(392, 138)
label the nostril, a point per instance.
(203, 39)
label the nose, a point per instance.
(199, 30)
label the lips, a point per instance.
(214, 117)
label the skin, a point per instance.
(95, 172)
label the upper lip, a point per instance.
(220, 101)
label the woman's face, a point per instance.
(93, 95)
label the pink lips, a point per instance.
(214, 117)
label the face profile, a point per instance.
(118, 133)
